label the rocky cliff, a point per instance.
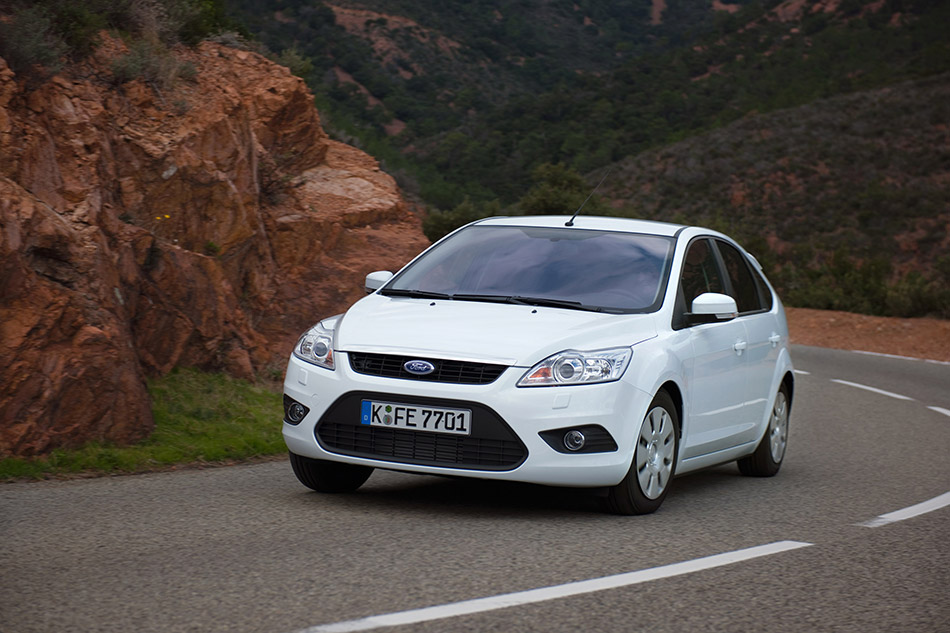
(204, 224)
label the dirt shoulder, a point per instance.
(918, 338)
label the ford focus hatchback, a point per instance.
(602, 353)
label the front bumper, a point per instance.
(517, 416)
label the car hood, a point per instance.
(487, 332)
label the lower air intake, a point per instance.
(491, 446)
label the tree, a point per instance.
(558, 190)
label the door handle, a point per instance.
(775, 339)
(740, 346)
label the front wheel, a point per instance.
(324, 476)
(768, 455)
(654, 460)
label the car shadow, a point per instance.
(399, 492)
(463, 497)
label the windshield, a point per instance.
(561, 267)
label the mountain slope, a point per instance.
(858, 170)
(588, 83)
(820, 193)
(847, 181)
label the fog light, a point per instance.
(574, 440)
(294, 412)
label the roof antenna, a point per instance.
(571, 221)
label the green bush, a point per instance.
(868, 287)
(29, 42)
(440, 223)
(197, 19)
(78, 24)
(150, 62)
(559, 190)
(299, 65)
(36, 37)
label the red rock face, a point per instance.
(207, 225)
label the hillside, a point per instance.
(842, 192)
(584, 84)
(417, 68)
(816, 131)
(838, 198)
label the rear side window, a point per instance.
(745, 288)
(765, 294)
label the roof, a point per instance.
(587, 222)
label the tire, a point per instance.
(651, 472)
(324, 476)
(768, 455)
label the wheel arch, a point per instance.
(789, 381)
(676, 394)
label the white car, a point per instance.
(604, 353)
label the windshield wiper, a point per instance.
(415, 294)
(517, 300)
(528, 301)
(554, 303)
(477, 297)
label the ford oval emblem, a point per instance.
(419, 367)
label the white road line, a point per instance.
(908, 513)
(874, 389)
(531, 596)
(803, 372)
(946, 412)
(925, 360)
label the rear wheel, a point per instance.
(324, 476)
(654, 460)
(768, 455)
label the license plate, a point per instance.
(416, 418)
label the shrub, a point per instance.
(298, 64)
(37, 37)
(29, 42)
(440, 223)
(273, 179)
(150, 62)
(559, 190)
(78, 24)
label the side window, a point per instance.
(700, 272)
(744, 289)
(765, 295)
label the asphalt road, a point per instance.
(247, 548)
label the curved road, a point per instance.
(248, 549)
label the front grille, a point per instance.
(491, 446)
(451, 371)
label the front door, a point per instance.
(718, 371)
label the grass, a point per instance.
(200, 418)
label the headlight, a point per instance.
(578, 368)
(316, 345)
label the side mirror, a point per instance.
(712, 307)
(375, 281)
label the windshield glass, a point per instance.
(565, 267)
